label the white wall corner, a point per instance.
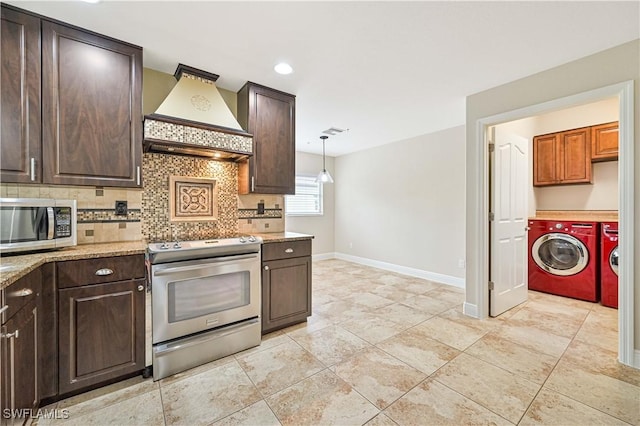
(418, 273)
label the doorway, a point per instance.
(480, 245)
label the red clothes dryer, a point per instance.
(609, 264)
(563, 258)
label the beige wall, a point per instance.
(321, 227)
(403, 203)
(606, 68)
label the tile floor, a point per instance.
(387, 349)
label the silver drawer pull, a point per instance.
(289, 250)
(140, 287)
(266, 268)
(104, 272)
(24, 292)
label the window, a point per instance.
(308, 198)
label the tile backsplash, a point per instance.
(97, 221)
(148, 214)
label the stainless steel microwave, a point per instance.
(28, 224)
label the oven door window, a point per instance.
(207, 295)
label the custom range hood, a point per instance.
(194, 120)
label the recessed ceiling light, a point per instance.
(283, 68)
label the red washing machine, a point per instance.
(563, 258)
(609, 264)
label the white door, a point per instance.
(509, 196)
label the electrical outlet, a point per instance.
(350, 245)
(461, 263)
(121, 208)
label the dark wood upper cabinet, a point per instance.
(20, 141)
(604, 142)
(92, 108)
(562, 158)
(269, 115)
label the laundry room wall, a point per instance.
(602, 194)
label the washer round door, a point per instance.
(560, 254)
(613, 260)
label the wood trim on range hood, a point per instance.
(195, 95)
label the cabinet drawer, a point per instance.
(20, 293)
(286, 250)
(74, 273)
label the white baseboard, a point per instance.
(413, 272)
(636, 358)
(323, 256)
(470, 309)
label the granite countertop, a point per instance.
(279, 237)
(12, 268)
(15, 267)
(572, 215)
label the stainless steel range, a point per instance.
(205, 301)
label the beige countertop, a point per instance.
(15, 267)
(586, 215)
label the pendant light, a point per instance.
(324, 176)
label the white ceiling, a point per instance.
(386, 71)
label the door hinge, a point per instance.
(492, 146)
(491, 285)
(491, 216)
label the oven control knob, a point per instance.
(558, 226)
(164, 246)
(252, 239)
(243, 240)
(177, 245)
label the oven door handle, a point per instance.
(205, 263)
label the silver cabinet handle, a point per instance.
(138, 175)
(4, 308)
(24, 292)
(140, 287)
(289, 250)
(253, 184)
(10, 335)
(104, 271)
(266, 268)
(32, 170)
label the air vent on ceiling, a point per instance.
(332, 131)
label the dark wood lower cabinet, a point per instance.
(19, 360)
(101, 333)
(286, 292)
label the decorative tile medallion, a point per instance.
(157, 225)
(193, 199)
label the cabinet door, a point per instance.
(101, 333)
(286, 292)
(20, 97)
(575, 156)
(545, 160)
(270, 116)
(20, 359)
(92, 108)
(604, 142)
